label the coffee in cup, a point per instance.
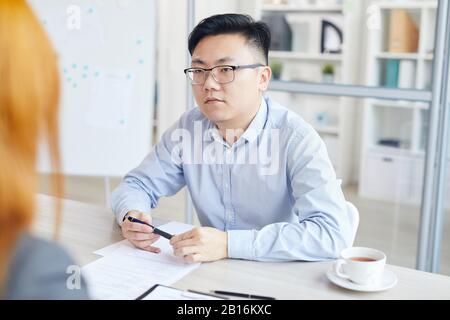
(361, 265)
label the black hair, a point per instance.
(256, 33)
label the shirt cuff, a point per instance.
(241, 244)
(121, 215)
(125, 210)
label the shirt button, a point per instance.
(230, 216)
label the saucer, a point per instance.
(388, 280)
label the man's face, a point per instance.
(227, 104)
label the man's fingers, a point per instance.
(139, 227)
(185, 243)
(193, 258)
(145, 217)
(146, 245)
(152, 249)
(138, 215)
(183, 236)
(139, 236)
(181, 252)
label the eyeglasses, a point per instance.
(221, 74)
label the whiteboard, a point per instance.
(106, 52)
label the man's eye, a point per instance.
(197, 71)
(225, 69)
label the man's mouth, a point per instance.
(212, 100)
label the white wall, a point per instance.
(171, 60)
(172, 51)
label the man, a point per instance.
(259, 176)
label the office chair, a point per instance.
(353, 214)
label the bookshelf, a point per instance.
(287, 7)
(332, 117)
(394, 132)
(305, 56)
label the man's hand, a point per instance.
(140, 235)
(201, 244)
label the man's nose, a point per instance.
(210, 82)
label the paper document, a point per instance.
(126, 272)
(113, 247)
(159, 292)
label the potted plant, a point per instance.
(328, 73)
(276, 67)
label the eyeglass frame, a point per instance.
(234, 68)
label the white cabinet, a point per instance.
(418, 179)
(386, 177)
(396, 176)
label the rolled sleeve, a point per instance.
(159, 174)
(241, 244)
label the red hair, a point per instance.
(29, 94)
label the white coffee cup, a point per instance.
(361, 265)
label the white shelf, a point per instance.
(333, 130)
(393, 151)
(297, 8)
(389, 151)
(399, 104)
(387, 5)
(305, 56)
(394, 55)
(404, 56)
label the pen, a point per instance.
(242, 295)
(155, 230)
(207, 294)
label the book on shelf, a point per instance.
(403, 32)
(406, 76)
(391, 73)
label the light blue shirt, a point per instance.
(285, 205)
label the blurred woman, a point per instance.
(30, 268)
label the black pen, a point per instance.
(155, 230)
(242, 295)
(207, 294)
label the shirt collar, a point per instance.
(257, 124)
(253, 130)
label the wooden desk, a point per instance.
(86, 228)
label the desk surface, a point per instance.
(86, 228)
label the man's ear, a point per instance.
(264, 78)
